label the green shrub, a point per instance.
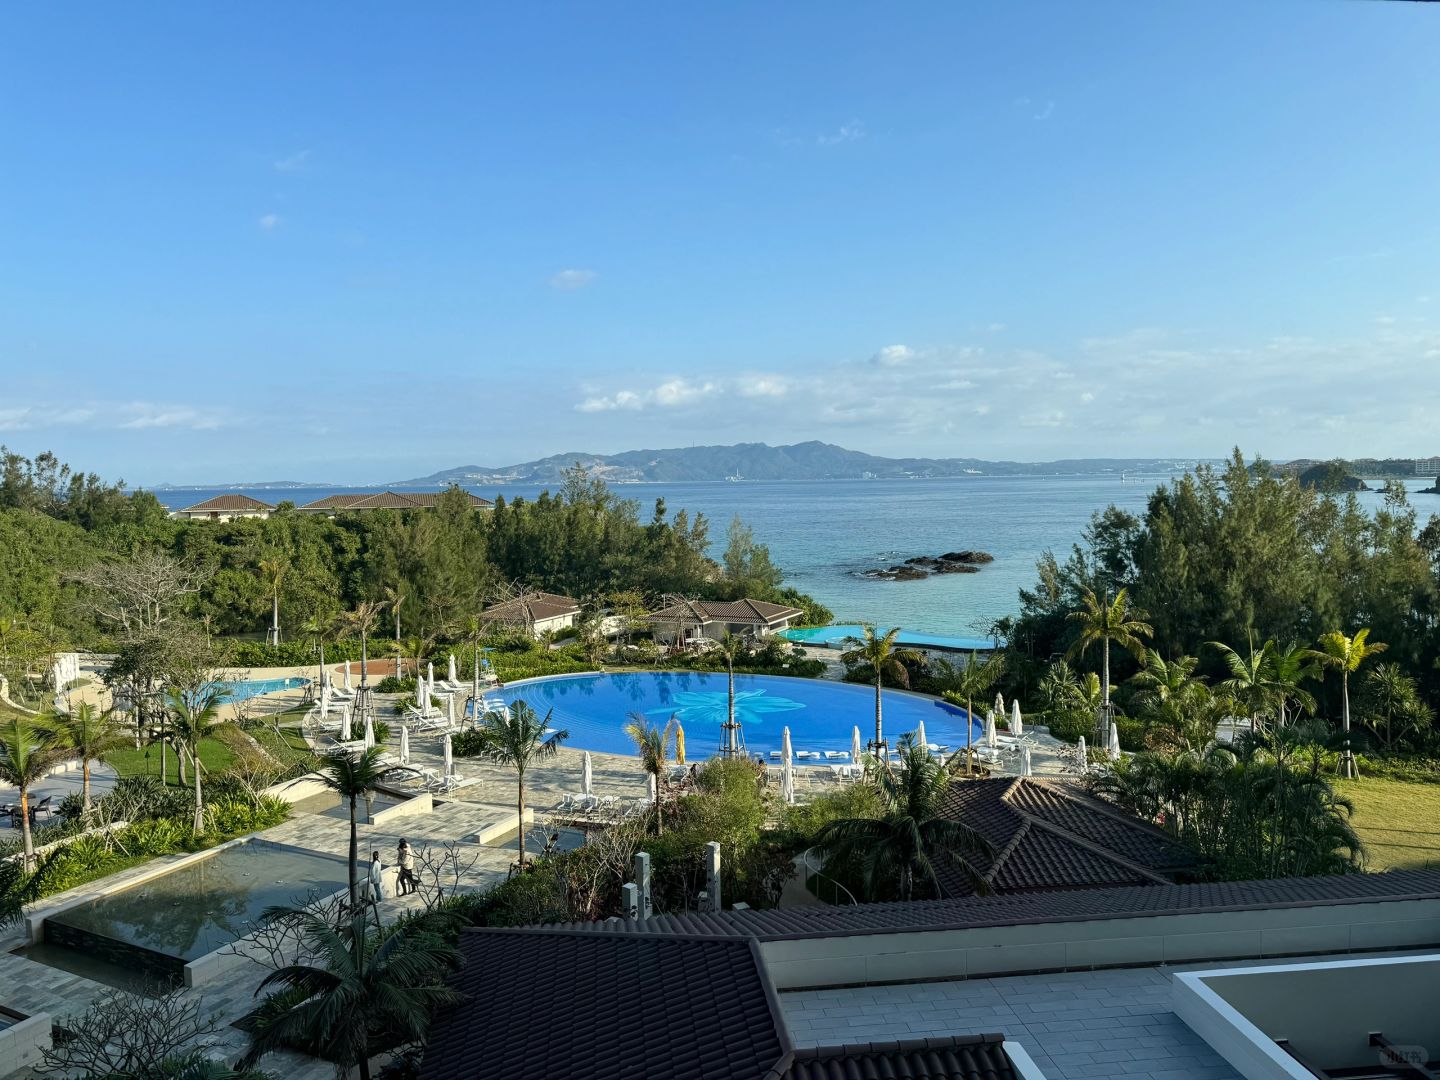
(230, 816)
(468, 743)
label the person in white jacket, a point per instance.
(375, 881)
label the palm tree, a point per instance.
(730, 649)
(519, 738)
(1249, 682)
(90, 734)
(1392, 695)
(394, 599)
(1347, 654)
(272, 570)
(898, 850)
(654, 745)
(193, 720)
(363, 982)
(1105, 622)
(1290, 665)
(352, 776)
(882, 656)
(357, 623)
(969, 682)
(27, 751)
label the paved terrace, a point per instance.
(1078, 1024)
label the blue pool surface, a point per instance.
(820, 714)
(245, 689)
(840, 635)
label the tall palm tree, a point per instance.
(1392, 694)
(90, 734)
(518, 737)
(194, 719)
(880, 652)
(363, 982)
(352, 776)
(357, 623)
(730, 648)
(273, 571)
(1346, 654)
(1104, 622)
(654, 744)
(898, 851)
(27, 752)
(973, 680)
(394, 600)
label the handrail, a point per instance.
(805, 857)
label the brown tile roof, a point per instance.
(1049, 834)
(541, 1003)
(973, 1057)
(1070, 905)
(387, 500)
(753, 612)
(226, 503)
(555, 1003)
(539, 605)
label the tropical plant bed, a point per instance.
(215, 756)
(1399, 822)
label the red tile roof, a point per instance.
(750, 612)
(226, 504)
(387, 500)
(531, 608)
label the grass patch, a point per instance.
(289, 747)
(1399, 822)
(214, 755)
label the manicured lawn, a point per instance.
(214, 755)
(1398, 822)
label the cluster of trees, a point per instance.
(1249, 558)
(73, 551)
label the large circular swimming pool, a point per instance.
(820, 714)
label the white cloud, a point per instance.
(894, 355)
(140, 415)
(670, 394)
(268, 222)
(296, 162)
(135, 415)
(1087, 397)
(762, 386)
(572, 279)
(1046, 112)
(850, 132)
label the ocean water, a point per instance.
(825, 534)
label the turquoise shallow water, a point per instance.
(825, 534)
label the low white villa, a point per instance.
(226, 508)
(692, 620)
(537, 613)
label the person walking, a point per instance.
(376, 879)
(406, 862)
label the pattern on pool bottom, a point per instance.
(820, 714)
(245, 689)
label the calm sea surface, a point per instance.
(823, 534)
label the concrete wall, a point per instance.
(1325, 1010)
(422, 803)
(297, 790)
(22, 1041)
(1063, 946)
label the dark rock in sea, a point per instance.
(974, 557)
(897, 573)
(923, 560)
(1430, 490)
(1331, 477)
(956, 568)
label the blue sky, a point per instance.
(356, 243)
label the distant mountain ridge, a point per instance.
(758, 461)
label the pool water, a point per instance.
(198, 908)
(245, 689)
(820, 714)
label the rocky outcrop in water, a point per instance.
(923, 566)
